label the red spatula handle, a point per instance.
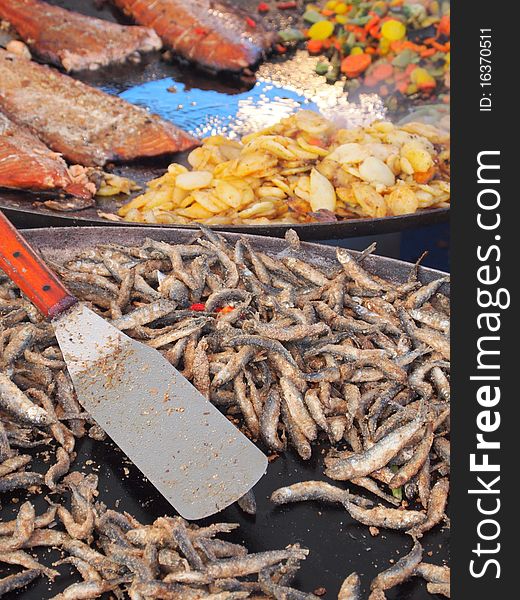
(21, 263)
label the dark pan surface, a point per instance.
(22, 214)
(23, 208)
(337, 545)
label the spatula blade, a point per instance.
(196, 458)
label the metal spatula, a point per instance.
(191, 453)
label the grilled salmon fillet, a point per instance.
(27, 164)
(74, 41)
(86, 125)
(210, 33)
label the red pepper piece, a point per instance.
(314, 46)
(444, 26)
(263, 7)
(225, 309)
(441, 47)
(314, 141)
(428, 52)
(251, 22)
(200, 306)
(374, 21)
(381, 71)
(286, 5)
(370, 81)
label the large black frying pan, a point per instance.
(337, 544)
(19, 207)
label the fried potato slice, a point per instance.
(290, 171)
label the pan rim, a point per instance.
(145, 232)
(73, 215)
(314, 230)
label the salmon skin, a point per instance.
(86, 125)
(214, 35)
(27, 164)
(74, 41)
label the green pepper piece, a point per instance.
(312, 16)
(332, 76)
(404, 58)
(438, 56)
(397, 493)
(360, 20)
(291, 35)
(437, 73)
(322, 68)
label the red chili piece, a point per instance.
(198, 306)
(225, 309)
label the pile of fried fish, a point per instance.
(295, 351)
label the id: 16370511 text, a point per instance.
(485, 69)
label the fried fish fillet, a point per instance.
(27, 164)
(86, 125)
(210, 33)
(72, 40)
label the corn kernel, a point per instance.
(384, 46)
(393, 30)
(321, 30)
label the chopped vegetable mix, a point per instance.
(392, 47)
